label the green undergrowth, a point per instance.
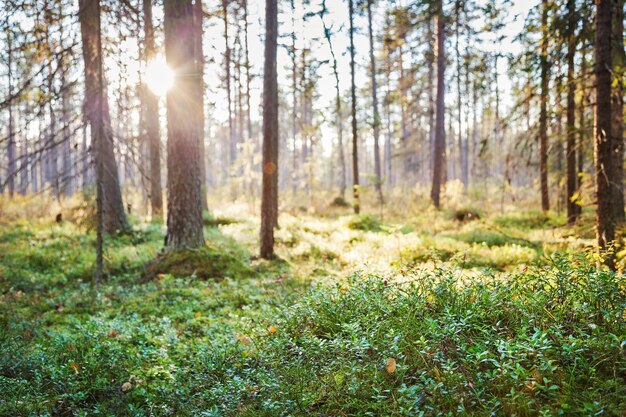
(474, 318)
(549, 341)
(366, 223)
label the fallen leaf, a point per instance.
(126, 386)
(391, 365)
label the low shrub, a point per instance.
(366, 223)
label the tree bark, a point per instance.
(572, 186)
(227, 57)
(338, 107)
(269, 203)
(617, 107)
(184, 106)
(11, 167)
(440, 130)
(376, 115)
(151, 119)
(605, 221)
(199, 60)
(543, 114)
(355, 138)
(97, 113)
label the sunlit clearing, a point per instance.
(159, 77)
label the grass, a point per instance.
(432, 317)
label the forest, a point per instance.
(312, 208)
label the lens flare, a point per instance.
(159, 77)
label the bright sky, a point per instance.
(310, 34)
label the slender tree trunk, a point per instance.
(269, 203)
(605, 220)
(440, 131)
(572, 186)
(430, 62)
(388, 128)
(199, 61)
(67, 179)
(617, 107)
(97, 113)
(338, 107)
(151, 119)
(294, 103)
(582, 125)
(227, 56)
(355, 138)
(247, 65)
(11, 167)
(184, 107)
(543, 114)
(376, 115)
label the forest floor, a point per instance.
(433, 313)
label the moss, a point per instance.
(207, 262)
(339, 201)
(366, 223)
(466, 214)
(215, 221)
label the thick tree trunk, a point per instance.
(440, 130)
(605, 220)
(543, 114)
(376, 115)
(97, 113)
(355, 137)
(151, 119)
(184, 107)
(572, 186)
(269, 203)
(617, 107)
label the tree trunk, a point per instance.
(462, 143)
(338, 110)
(543, 115)
(440, 130)
(294, 103)
(617, 107)
(376, 115)
(151, 119)
(199, 60)
(231, 131)
(430, 62)
(247, 65)
(355, 138)
(97, 113)
(605, 221)
(67, 179)
(269, 203)
(11, 167)
(184, 107)
(572, 186)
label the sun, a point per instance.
(159, 77)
